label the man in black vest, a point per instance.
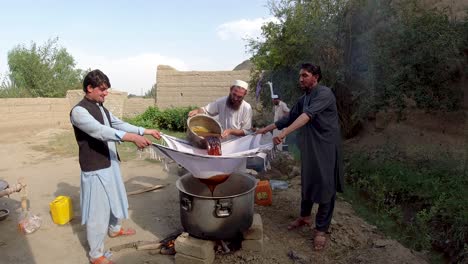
(103, 197)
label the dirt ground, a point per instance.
(156, 214)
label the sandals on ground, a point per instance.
(101, 260)
(320, 240)
(298, 223)
(123, 232)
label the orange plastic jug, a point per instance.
(263, 194)
(61, 210)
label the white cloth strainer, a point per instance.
(201, 165)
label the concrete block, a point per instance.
(253, 245)
(255, 231)
(185, 259)
(194, 247)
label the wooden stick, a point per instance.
(129, 245)
(15, 188)
(147, 189)
(150, 246)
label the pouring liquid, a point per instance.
(214, 181)
(214, 149)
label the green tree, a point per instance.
(151, 93)
(43, 71)
(374, 54)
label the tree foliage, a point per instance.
(43, 71)
(373, 54)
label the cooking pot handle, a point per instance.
(186, 204)
(223, 208)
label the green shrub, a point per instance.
(425, 198)
(173, 119)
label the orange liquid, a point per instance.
(212, 182)
(214, 146)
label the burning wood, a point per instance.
(164, 246)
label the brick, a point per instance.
(253, 245)
(185, 259)
(255, 231)
(194, 247)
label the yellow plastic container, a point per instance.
(61, 210)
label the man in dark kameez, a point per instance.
(315, 116)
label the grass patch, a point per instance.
(422, 203)
(384, 222)
(63, 144)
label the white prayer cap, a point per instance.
(241, 84)
(275, 96)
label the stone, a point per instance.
(382, 243)
(253, 245)
(185, 259)
(194, 247)
(256, 229)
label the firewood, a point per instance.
(147, 189)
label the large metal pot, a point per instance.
(222, 216)
(209, 123)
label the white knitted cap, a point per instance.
(241, 84)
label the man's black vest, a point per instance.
(93, 153)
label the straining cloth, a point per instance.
(201, 165)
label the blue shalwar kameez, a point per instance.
(103, 197)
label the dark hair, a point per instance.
(314, 69)
(95, 78)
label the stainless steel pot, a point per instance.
(222, 216)
(205, 121)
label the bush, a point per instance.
(173, 119)
(426, 198)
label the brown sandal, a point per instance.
(320, 240)
(299, 222)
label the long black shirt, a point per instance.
(319, 142)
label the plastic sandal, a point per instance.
(298, 223)
(123, 232)
(320, 240)
(101, 260)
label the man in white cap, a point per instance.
(281, 110)
(234, 113)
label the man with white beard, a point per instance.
(235, 114)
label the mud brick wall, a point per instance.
(41, 113)
(33, 114)
(193, 88)
(117, 102)
(135, 106)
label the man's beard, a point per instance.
(233, 105)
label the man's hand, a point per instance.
(279, 139)
(226, 133)
(140, 141)
(193, 112)
(153, 132)
(261, 131)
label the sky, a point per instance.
(127, 40)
